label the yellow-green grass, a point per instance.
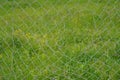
(62, 40)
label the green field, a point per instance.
(59, 39)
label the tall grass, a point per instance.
(61, 40)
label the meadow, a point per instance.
(59, 40)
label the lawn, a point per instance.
(59, 40)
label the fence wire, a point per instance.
(59, 40)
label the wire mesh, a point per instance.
(59, 40)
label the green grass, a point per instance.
(61, 40)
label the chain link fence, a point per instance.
(59, 40)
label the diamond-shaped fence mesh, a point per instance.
(59, 39)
